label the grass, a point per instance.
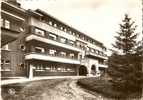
(105, 88)
(29, 90)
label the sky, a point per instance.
(99, 19)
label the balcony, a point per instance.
(51, 41)
(49, 28)
(12, 16)
(96, 55)
(53, 58)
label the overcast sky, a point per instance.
(97, 18)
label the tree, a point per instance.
(126, 39)
(125, 65)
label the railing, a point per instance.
(58, 40)
(53, 55)
(95, 54)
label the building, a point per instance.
(12, 30)
(49, 47)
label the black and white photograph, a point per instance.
(71, 50)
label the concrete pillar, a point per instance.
(89, 71)
(31, 71)
(77, 70)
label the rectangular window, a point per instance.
(7, 24)
(70, 32)
(71, 55)
(52, 37)
(78, 44)
(65, 29)
(96, 51)
(39, 50)
(77, 35)
(50, 23)
(63, 40)
(71, 42)
(55, 25)
(52, 52)
(61, 28)
(63, 54)
(73, 33)
(7, 62)
(39, 32)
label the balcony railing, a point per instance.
(96, 55)
(53, 42)
(51, 57)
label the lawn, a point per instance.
(105, 88)
(28, 90)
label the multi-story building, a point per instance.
(13, 19)
(49, 47)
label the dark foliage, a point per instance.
(125, 65)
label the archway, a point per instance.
(93, 70)
(82, 70)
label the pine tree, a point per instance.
(126, 39)
(125, 63)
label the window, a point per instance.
(61, 28)
(70, 32)
(40, 67)
(77, 35)
(63, 54)
(22, 47)
(55, 25)
(83, 37)
(52, 36)
(39, 32)
(73, 33)
(69, 70)
(59, 69)
(50, 22)
(52, 52)
(2, 62)
(63, 40)
(94, 42)
(39, 50)
(7, 24)
(7, 62)
(96, 51)
(5, 47)
(71, 42)
(78, 44)
(65, 29)
(92, 50)
(71, 55)
(87, 48)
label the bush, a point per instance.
(104, 87)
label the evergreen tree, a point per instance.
(126, 39)
(125, 64)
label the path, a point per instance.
(68, 90)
